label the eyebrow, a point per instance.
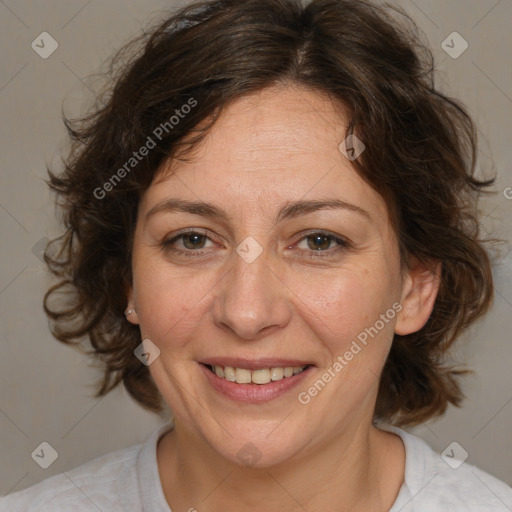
(289, 210)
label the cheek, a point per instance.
(345, 313)
(168, 300)
(346, 300)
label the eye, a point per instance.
(193, 240)
(321, 242)
(191, 243)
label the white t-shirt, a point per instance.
(128, 481)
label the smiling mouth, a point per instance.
(260, 376)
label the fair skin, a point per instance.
(303, 299)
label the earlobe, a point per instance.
(419, 294)
(130, 312)
(131, 315)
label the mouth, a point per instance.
(260, 376)
(254, 381)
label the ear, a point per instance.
(419, 293)
(132, 317)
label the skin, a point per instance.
(292, 301)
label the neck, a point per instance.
(365, 468)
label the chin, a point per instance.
(258, 447)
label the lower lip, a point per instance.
(254, 393)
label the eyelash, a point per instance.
(189, 253)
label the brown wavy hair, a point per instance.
(420, 156)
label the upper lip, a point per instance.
(253, 364)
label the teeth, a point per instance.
(277, 373)
(262, 376)
(229, 373)
(243, 376)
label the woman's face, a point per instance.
(236, 264)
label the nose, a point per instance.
(252, 301)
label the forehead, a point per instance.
(280, 144)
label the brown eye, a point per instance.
(190, 243)
(319, 242)
(193, 240)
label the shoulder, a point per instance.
(435, 482)
(91, 486)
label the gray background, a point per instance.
(45, 387)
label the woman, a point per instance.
(268, 231)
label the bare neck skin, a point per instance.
(350, 473)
